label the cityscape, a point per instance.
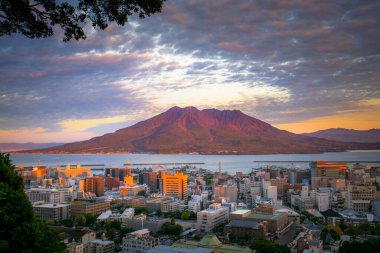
(192, 126)
(171, 208)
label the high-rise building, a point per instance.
(327, 169)
(111, 182)
(128, 181)
(150, 179)
(175, 185)
(93, 184)
(322, 199)
(119, 172)
(232, 192)
(324, 173)
(359, 197)
(272, 193)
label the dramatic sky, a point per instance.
(299, 65)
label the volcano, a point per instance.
(208, 131)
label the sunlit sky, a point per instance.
(300, 65)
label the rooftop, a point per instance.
(50, 205)
(243, 224)
(102, 242)
(241, 211)
(264, 216)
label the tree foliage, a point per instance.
(171, 228)
(20, 231)
(36, 19)
(370, 245)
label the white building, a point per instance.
(231, 192)
(322, 199)
(139, 241)
(272, 193)
(100, 246)
(208, 219)
(46, 194)
(194, 204)
(305, 191)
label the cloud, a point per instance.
(77, 125)
(284, 62)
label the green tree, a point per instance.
(80, 220)
(90, 220)
(139, 210)
(36, 19)
(171, 228)
(185, 215)
(159, 213)
(20, 231)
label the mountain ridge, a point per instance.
(347, 135)
(207, 131)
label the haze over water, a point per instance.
(229, 163)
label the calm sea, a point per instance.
(229, 163)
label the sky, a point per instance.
(301, 66)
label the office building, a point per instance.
(119, 172)
(246, 229)
(208, 219)
(139, 241)
(77, 171)
(93, 184)
(323, 174)
(231, 192)
(51, 211)
(111, 183)
(132, 190)
(195, 203)
(175, 185)
(322, 199)
(100, 246)
(359, 197)
(150, 179)
(81, 207)
(128, 181)
(46, 194)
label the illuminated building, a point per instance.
(327, 169)
(131, 190)
(150, 179)
(112, 182)
(81, 207)
(69, 172)
(128, 181)
(323, 174)
(93, 184)
(175, 185)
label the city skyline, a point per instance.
(299, 66)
